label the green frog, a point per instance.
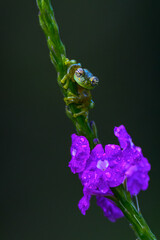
(86, 81)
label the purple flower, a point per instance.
(137, 176)
(100, 170)
(123, 137)
(135, 164)
(84, 202)
(111, 211)
(80, 152)
(103, 169)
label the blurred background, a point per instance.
(117, 41)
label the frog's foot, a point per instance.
(83, 107)
(81, 113)
(69, 100)
(72, 98)
(67, 84)
(75, 115)
(65, 80)
(84, 110)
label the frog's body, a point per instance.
(85, 82)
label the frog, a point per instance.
(86, 81)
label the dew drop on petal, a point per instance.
(74, 151)
(102, 165)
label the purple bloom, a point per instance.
(137, 176)
(80, 152)
(84, 202)
(103, 169)
(135, 164)
(111, 211)
(123, 137)
(100, 170)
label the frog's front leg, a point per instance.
(65, 80)
(72, 66)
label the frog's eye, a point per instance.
(79, 72)
(94, 81)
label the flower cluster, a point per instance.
(102, 169)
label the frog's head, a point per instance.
(85, 78)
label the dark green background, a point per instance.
(118, 41)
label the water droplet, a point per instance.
(74, 151)
(102, 165)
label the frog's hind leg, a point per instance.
(71, 98)
(66, 78)
(75, 115)
(82, 113)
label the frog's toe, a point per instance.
(66, 85)
(63, 80)
(81, 113)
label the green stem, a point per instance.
(58, 58)
(135, 218)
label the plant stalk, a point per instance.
(83, 127)
(135, 218)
